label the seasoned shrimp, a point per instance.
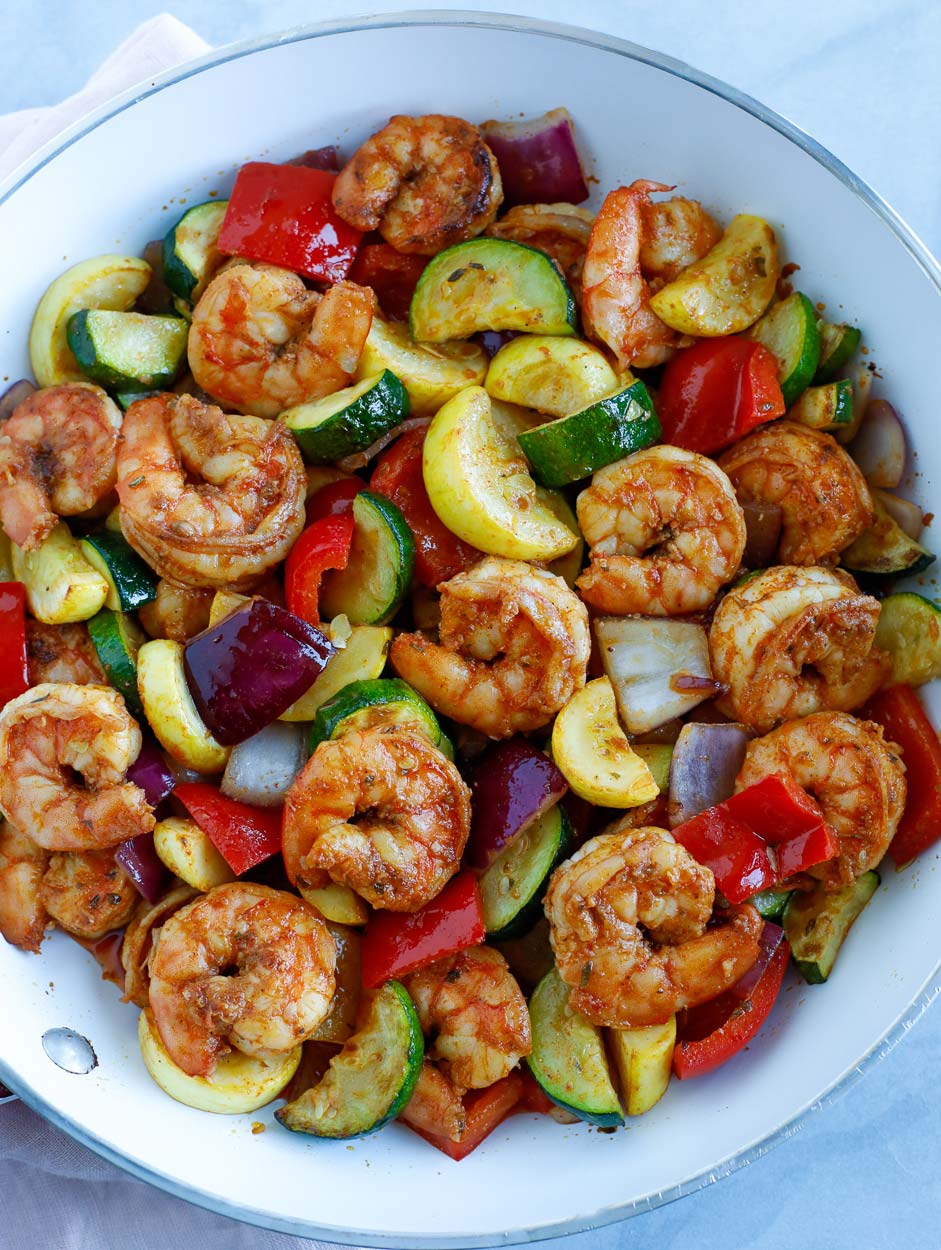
(473, 1009)
(88, 893)
(628, 915)
(824, 500)
(261, 342)
(62, 653)
(423, 182)
(243, 967)
(791, 641)
(435, 1105)
(629, 234)
(57, 458)
(23, 862)
(854, 774)
(178, 612)
(513, 648)
(665, 532)
(560, 230)
(48, 735)
(241, 515)
(142, 935)
(380, 810)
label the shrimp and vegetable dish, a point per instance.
(452, 665)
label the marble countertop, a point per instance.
(861, 77)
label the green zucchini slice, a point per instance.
(568, 1058)
(771, 903)
(910, 630)
(128, 351)
(511, 889)
(572, 448)
(382, 558)
(372, 1078)
(490, 284)
(131, 581)
(190, 249)
(838, 345)
(789, 331)
(364, 703)
(349, 420)
(124, 399)
(117, 638)
(816, 924)
(828, 407)
(885, 550)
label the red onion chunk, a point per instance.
(13, 396)
(706, 761)
(139, 860)
(906, 515)
(327, 158)
(512, 784)
(538, 160)
(251, 666)
(880, 448)
(151, 772)
(762, 532)
(492, 340)
(772, 935)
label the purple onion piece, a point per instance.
(538, 160)
(326, 158)
(492, 340)
(251, 666)
(706, 761)
(762, 532)
(14, 395)
(880, 448)
(772, 935)
(512, 784)
(139, 860)
(906, 515)
(151, 772)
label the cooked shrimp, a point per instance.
(23, 862)
(142, 935)
(473, 1009)
(380, 810)
(824, 500)
(178, 612)
(49, 734)
(615, 291)
(63, 653)
(435, 1105)
(88, 893)
(791, 641)
(854, 774)
(665, 532)
(261, 342)
(242, 967)
(57, 458)
(423, 182)
(560, 230)
(628, 915)
(241, 515)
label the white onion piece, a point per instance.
(880, 448)
(659, 669)
(260, 769)
(906, 515)
(706, 760)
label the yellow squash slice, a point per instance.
(170, 710)
(591, 749)
(61, 585)
(644, 1060)
(554, 375)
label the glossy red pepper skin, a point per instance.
(714, 1032)
(334, 498)
(736, 854)
(776, 807)
(439, 554)
(899, 711)
(322, 546)
(391, 274)
(396, 943)
(14, 664)
(284, 215)
(484, 1110)
(713, 393)
(243, 835)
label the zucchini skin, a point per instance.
(394, 561)
(353, 428)
(530, 907)
(838, 345)
(402, 702)
(132, 581)
(885, 551)
(117, 639)
(816, 924)
(789, 331)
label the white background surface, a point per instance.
(862, 78)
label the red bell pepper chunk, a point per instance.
(714, 392)
(243, 835)
(899, 711)
(284, 214)
(322, 546)
(776, 807)
(484, 1110)
(711, 1034)
(736, 854)
(395, 943)
(334, 498)
(391, 274)
(439, 554)
(14, 665)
